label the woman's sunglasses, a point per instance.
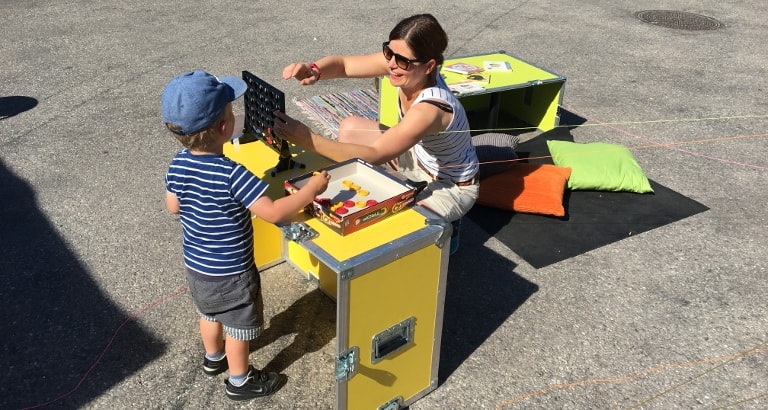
(402, 62)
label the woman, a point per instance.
(431, 142)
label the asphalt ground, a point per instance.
(95, 313)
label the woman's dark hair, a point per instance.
(424, 36)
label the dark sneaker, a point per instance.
(257, 384)
(214, 367)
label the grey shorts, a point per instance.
(234, 300)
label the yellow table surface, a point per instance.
(260, 159)
(522, 73)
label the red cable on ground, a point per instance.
(132, 316)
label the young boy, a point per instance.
(214, 198)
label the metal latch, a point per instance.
(394, 404)
(392, 340)
(298, 232)
(444, 235)
(346, 364)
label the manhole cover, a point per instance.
(678, 20)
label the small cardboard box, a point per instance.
(359, 194)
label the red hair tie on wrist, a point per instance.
(314, 67)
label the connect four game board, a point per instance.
(261, 99)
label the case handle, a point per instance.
(392, 340)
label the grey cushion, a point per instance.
(495, 152)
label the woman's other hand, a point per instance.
(292, 130)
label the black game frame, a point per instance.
(261, 99)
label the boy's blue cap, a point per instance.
(195, 99)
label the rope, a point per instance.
(728, 359)
(131, 317)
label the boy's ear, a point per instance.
(222, 126)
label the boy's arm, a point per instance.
(172, 202)
(285, 207)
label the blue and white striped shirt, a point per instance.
(214, 194)
(449, 154)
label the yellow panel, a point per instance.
(521, 73)
(302, 259)
(261, 160)
(267, 243)
(311, 266)
(370, 237)
(537, 106)
(343, 248)
(388, 114)
(380, 299)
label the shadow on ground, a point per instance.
(482, 292)
(15, 105)
(60, 320)
(592, 218)
(311, 318)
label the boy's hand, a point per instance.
(319, 182)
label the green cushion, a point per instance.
(599, 166)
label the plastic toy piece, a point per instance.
(326, 202)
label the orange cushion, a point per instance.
(527, 188)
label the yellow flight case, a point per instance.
(388, 281)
